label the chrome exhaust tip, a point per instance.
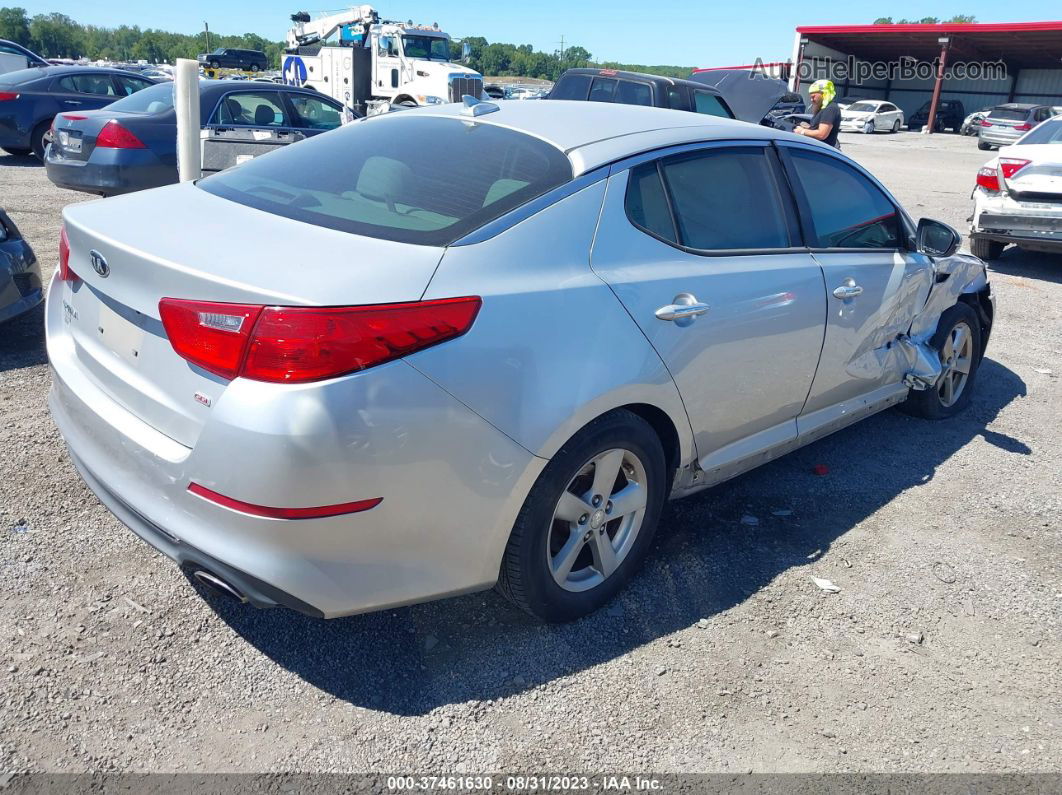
(218, 585)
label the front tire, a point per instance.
(986, 249)
(254, 67)
(215, 65)
(958, 343)
(869, 127)
(588, 522)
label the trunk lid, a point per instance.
(1041, 180)
(181, 242)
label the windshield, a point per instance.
(862, 107)
(432, 48)
(155, 99)
(411, 179)
(1050, 132)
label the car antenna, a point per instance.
(477, 107)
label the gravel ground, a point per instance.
(940, 653)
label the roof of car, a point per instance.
(36, 72)
(595, 133)
(620, 73)
(218, 86)
(1017, 106)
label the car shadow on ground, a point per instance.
(706, 560)
(19, 161)
(1029, 264)
(22, 340)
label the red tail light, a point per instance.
(115, 136)
(65, 274)
(319, 512)
(1023, 127)
(986, 123)
(298, 344)
(987, 179)
(73, 117)
(7, 96)
(1011, 166)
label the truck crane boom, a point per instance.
(305, 32)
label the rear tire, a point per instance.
(986, 249)
(37, 141)
(958, 343)
(557, 565)
(896, 126)
(254, 67)
(18, 152)
(983, 146)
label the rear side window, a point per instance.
(603, 90)
(629, 92)
(98, 84)
(257, 109)
(723, 200)
(412, 179)
(676, 99)
(847, 209)
(572, 87)
(157, 99)
(706, 102)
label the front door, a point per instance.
(721, 288)
(385, 66)
(874, 284)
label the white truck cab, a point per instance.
(375, 64)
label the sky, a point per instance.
(678, 33)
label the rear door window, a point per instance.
(572, 87)
(724, 199)
(707, 102)
(629, 92)
(847, 209)
(402, 177)
(676, 98)
(96, 84)
(603, 90)
(251, 109)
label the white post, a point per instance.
(186, 103)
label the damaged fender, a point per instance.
(907, 355)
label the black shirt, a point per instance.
(831, 114)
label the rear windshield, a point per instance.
(1008, 114)
(1050, 132)
(155, 99)
(408, 178)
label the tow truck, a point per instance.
(375, 65)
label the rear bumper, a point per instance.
(998, 138)
(20, 279)
(1032, 230)
(451, 484)
(109, 172)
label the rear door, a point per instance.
(85, 91)
(703, 250)
(873, 283)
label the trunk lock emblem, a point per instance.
(99, 264)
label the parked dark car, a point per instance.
(17, 57)
(31, 98)
(20, 274)
(232, 58)
(132, 144)
(950, 116)
(635, 88)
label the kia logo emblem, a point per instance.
(99, 264)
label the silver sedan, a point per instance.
(436, 351)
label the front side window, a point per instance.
(97, 84)
(723, 200)
(315, 113)
(130, 85)
(258, 109)
(604, 89)
(407, 178)
(675, 99)
(847, 209)
(708, 103)
(631, 93)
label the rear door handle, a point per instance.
(685, 307)
(71, 102)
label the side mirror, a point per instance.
(466, 51)
(936, 239)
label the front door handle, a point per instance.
(684, 307)
(848, 289)
(71, 102)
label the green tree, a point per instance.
(14, 26)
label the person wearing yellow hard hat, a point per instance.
(826, 122)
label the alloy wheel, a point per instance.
(957, 358)
(597, 519)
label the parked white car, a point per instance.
(871, 115)
(1018, 197)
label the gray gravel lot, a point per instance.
(940, 653)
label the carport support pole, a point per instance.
(186, 103)
(931, 121)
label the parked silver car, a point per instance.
(1005, 124)
(442, 349)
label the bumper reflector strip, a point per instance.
(283, 513)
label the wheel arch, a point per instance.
(404, 98)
